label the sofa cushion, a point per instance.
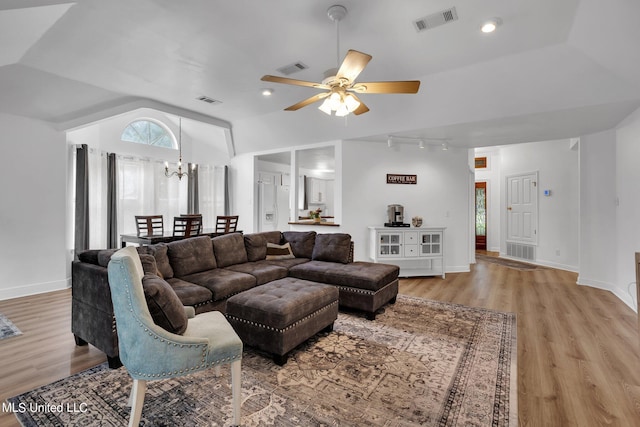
(89, 256)
(256, 244)
(229, 249)
(222, 282)
(189, 293)
(261, 270)
(287, 263)
(159, 252)
(361, 275)
(334, 247)
(103, 256)
(193, 255)
(279, 251)
(302, 242)
(164, 305)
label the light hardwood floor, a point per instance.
(578, 347)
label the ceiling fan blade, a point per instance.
(353, 64)
(407, 86)
(276, 79)
(308, 101)
(361, 108)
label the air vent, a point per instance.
(521, 250)
(436, 19)
(292, 68)
(208, 100)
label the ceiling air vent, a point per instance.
(208, 100)
(436, 19)
(292, 68)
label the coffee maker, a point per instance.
(395, 214)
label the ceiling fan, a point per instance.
(341, 88)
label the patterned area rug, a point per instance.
(7, 328)
(420, 363)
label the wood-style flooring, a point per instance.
(578, 347)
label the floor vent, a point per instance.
(522, 251)
(436, 19)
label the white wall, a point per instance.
(35, 254)
(628, 211)
(440, 197)
(558, 215)
(598, 228)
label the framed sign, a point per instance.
(393, 178)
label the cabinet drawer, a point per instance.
(410, 250)
(411, 238)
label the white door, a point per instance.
(522, 208)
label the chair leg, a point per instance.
(137, 400)
(236, 390)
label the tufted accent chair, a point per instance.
(149, 352)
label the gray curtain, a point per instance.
(112, 208)
(82, 200)
(227, 209)
(193, 201)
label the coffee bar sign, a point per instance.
(393, 178)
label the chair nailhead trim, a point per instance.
(291, 326)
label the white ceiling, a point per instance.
(554, 69)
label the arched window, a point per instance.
(145, 131)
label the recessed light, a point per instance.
(267, 92)
(491, 25)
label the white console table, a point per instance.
(417, 251)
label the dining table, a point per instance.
(165, 237)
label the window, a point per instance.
(481, 163)
(149, 132)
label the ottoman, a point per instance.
(278, 316)
(363, 286)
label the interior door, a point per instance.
(481, 216)
(522, 208)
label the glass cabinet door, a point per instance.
(430, 244)
(389, 244)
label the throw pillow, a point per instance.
(279, 251)
(334, 247)
(149, 265)
(165, 307)
(159, 252)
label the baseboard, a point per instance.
(34, 288)
(625, 298)
(457, 269)
(543, 263)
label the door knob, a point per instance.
(509, 208)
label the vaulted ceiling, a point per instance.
(553, 69)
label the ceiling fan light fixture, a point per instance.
(325, 107)
(351, 102)
(342, 110)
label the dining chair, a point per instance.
(199, 216)
(226, 223)
(149, 225)
(150, 352)
(186, 226)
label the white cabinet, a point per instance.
(417, 251)
(318, 189)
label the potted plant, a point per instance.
(315, 215)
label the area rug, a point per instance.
(7, 328)
(510, 263)
(420, 363)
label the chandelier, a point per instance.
(179, 173)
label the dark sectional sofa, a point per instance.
(205, 272)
